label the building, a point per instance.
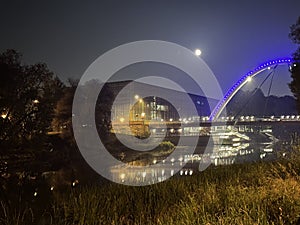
(130, 107)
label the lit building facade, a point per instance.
(131, 108)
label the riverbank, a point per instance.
(257, 193)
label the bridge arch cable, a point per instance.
(269, 91)
(253, 93)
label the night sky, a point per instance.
(234, 36)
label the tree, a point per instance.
(103, 111)
(63, 111)
(28, 94)
(295, 67)
(62, 121)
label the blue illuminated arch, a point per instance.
(241, 82)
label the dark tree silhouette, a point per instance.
(28, 94)
(255, 103)
(62, 121)
(295, 67)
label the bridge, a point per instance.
(270, 65)
(206, 122)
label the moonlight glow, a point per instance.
(198, 52)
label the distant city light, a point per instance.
(35, 101)
(122, 120)
(122, 176)
(136, 97)
(198, 52)
(75, 182)
(144, 174)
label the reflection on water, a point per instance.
(148, 175)
(238, 148)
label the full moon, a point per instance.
(197, 52)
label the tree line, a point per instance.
(295, 67)
(36, 116)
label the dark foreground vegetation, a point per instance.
(258, 193)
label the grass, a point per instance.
(258, 193)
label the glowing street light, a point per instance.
(198, 52)
(136, 97)
(4, 115)
(35, 101)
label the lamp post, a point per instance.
(139, 111)
(143, 119)
(141, 106)
(134, 112)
